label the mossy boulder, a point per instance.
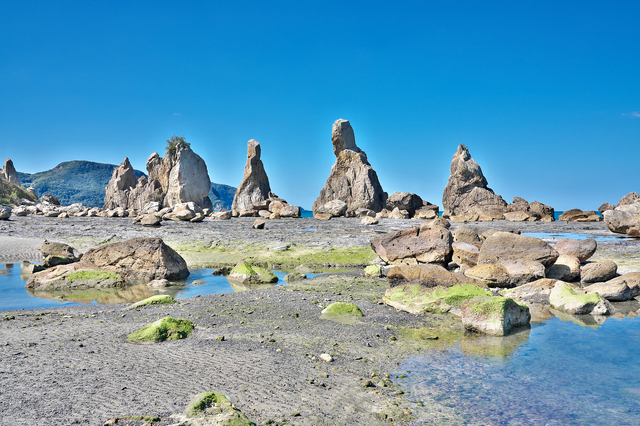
(248, 273)
(372, 271)
(159, 299)
(573, 300)
(71, 277)
(166, 328)
(418, 299)
(494, 315)
(294, 276)
(342, 312)
(215, 409)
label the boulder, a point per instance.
(439, 221)
(50, 199)
(223, 215)
(534, 292)
(369, 221)
(575, 301)
(5, 212)
(566, 268)
(19, 211)
(352, 179)
(290, 211)
(258, 224)
(605, 207)
(247, 273)
(502, 247)
(624, 219)
(464, 234)
(334, 208)
(404, 201)
(9, 172)
(516, 216)
(595, 272)
(148, 220)
(55, 254)
(582, 249)
(490, 275)
(429, 288)
(613, 290)
(362, 212)
(425, 213)
(399, 214)
(630, 198)
(494, 315)
(424, 244)
(523, 271)
(467, 191)
(518, 205)
(294, 276)
(578, 215)
(465, 254)
(545, 212)
(383, 214)
(254, 188)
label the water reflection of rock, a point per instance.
(594, 321)
(130, 294)
(496, 347)
(239, 286)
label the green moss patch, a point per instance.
(247, 272)
(417, 299)
(372, 271)
(342, 312)
(160, 299)
(216, 409)
(93, 275)
(166, 328)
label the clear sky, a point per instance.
(546, 95)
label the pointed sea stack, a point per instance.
(254, 188)
(9, 172)
(467, 193)
(352, 179)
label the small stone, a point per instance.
(326, 357)
(258, 224)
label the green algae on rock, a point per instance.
(166, 328)
(494, 315)
(342, 312)
(294, 276)
(246, 272)
(372, 271)
(160, 299)
(418, 299)
(212, 408)
(573, 300)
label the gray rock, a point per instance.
(464, 234)
(494, 315)
(523, 271)
(399, 214)
(334, 208)
(624, 220)
(467, 191)
(425, 213)
(352, 178)
(595, 272)
(362, 212)
(502, 247)
(582, 249)
(535, 292)
(223, 215)
(630, 198)
(612, 290)
(545, 212)
(258, 224)
(425, 244)
(369, 221)
(575, 301)
(159, 283)
(254, 188)
(5, 212)
(465, 254)
(9, 172)
(48, 198)
(605, 206)
(150, 220)
(566, 268)
(404, 201)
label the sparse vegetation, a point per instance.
(176, 142)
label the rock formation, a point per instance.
(624, 219)
(180, 177)
(521, 210)
(9, 172)
(352, 178)
(467, 191)
(254, 188)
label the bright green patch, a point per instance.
(160, 299)
(342, 312)
(372, 271)
(568, 293)
(166, 328)
(216, 409)
(206, 400)
(248, 272)
(418, 299)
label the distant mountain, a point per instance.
(221, 196)
(73, 182)
(85, 182)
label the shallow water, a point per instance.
(573, 236)
(13, 294)
(557, 373)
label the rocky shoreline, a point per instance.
(74, 364)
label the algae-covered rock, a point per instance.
(342, 312)
(418, 299)
(574, 300)
(160, 299)
(247, 273)
(372, 271)
(70, 277)
(294, 276)
(166, 328)
(494, 315)
(212, 409)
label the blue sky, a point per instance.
(545, 95)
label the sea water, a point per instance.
(13, 294)
(556, 373)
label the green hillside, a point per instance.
(221, 196)
(10, 193)
(73, 182)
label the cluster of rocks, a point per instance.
(180, 177)
(577, 215)
(467, 196)
(431, 260)
(254, 197)
(139, 260)
(624, 218)
(49, 206)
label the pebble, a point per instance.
(326, 357)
